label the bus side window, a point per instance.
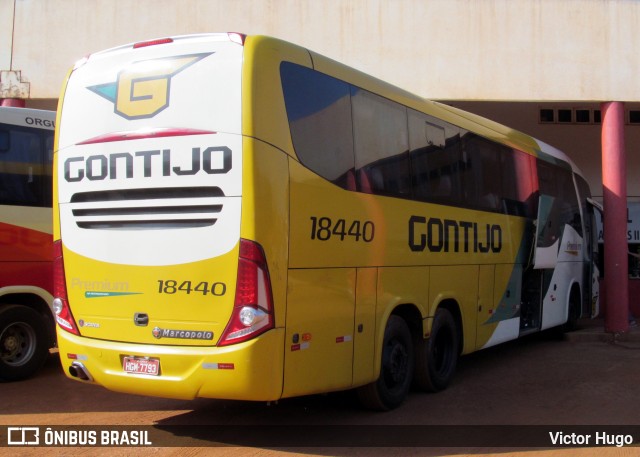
(381, 143)
(571, 206)
(20, 170)
(4, 141)
(480, 174)
(435, 151)
(319, 112)
(558, 183)
(47, 173)
(519, 183)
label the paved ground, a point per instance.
(542, 383)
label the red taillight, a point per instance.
(253, 306)
(64, 318)
(144, 44)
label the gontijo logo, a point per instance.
(142, 89)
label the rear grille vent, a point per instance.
(147, 209)
(147, 194)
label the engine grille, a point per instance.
(147, 209)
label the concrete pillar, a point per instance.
(614, 181)
(15, 102)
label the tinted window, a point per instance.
(588, 214)
(5, 140)
(362, 141)
(558, 183)
(25, 166)
(481, 173)
(519, 184)
(319, 111)
(584, 193)
(436, 155)
(381, 143)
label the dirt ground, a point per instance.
(540, 385)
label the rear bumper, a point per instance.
(246, 371)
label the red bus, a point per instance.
(27, 329)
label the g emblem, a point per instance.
(142, 89)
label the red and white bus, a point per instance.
(27, 328)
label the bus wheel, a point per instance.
(23, 342)
(573, 312)
(396, 371)
(437, 356)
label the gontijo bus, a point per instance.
(238, 217)
(27, 329)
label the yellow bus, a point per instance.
(238, 217)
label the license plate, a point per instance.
(141, 365)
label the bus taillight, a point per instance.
(253, 307)
(64, 318)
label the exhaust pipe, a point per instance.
(78, 370)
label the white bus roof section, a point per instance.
(28, 117)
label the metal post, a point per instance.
(614, 181)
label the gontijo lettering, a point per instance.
(448, 235)
(211, 160)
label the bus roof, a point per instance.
(28, 117)
(466, 120)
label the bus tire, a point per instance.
(23, 342)
(437, 356)
(573, 313)
(396, 370)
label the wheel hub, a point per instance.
(10, 344)
(398, 365)
(18, 343)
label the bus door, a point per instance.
(538, 273)
(591, 296)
